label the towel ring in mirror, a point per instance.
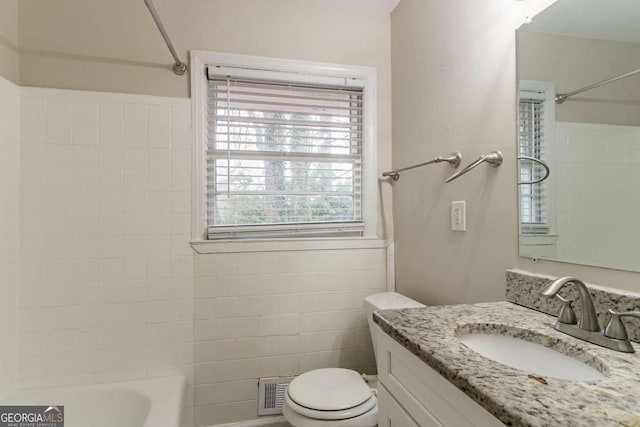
(541, 163)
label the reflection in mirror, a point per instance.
(588, 210)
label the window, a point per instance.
(288, 150)
(535, 133)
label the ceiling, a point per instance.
(374, 5)
(615, 20)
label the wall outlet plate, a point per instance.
(459, 216)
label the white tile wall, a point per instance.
(272, 314)
(598, 199)
(9, 231)
(110, 289)
(106, 283)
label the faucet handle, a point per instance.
(615, 329)
(566, 313)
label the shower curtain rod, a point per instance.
(561, 97)
(179, 67)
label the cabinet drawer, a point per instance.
(419, 388)
(391, 414)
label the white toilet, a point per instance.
(336, 397)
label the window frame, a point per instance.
(547, 91)
(201, 60)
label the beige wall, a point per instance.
(9, 39)
(9, 231)
(572, 63)
(114, 46)
(454, 88)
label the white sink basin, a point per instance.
(529, 357)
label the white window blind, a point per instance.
(283, 158)
(534, 215)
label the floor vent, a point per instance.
(271, 394)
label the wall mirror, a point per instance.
(588, 209)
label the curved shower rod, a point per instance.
(453, 159)
(494, 159)
(179, 67)
(561, 97)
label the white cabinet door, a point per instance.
(422, 393)
(391, 414)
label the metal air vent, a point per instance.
(271, 393)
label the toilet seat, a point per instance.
(368, 419)
(330, 397)
(329, 389)
(336, 415)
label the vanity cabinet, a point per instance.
(390, 413)
(412, 394)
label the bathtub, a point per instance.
(146, 403)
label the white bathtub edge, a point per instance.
(167, 397)
(164, 396)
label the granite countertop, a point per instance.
(509, 394)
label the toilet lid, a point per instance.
(330, 389)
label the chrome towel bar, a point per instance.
(453, 159)
(494, 159)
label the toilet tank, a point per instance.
(385, 301)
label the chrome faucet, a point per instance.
(615, 329)
(588, 329)
(588, 317)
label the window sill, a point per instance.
(538, 239)
(282, 245)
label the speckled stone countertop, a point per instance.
(509, 394)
